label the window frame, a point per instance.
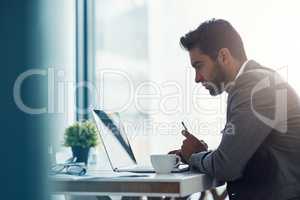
(85, 59)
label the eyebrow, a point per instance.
(194, 64)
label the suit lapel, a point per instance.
(251, 65)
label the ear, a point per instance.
(224, 56)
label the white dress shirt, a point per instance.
(241, 69)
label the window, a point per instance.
(142, 72)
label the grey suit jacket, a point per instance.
(259, 154)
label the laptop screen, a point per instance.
(114, 139)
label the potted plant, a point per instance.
(81, 136)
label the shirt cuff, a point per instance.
(196, 161)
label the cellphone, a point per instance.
(185, 128)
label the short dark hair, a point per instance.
(211, 36)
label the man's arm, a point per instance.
(243, 133)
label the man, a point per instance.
(259, 154)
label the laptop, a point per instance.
(117, 146)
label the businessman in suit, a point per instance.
(259, 154)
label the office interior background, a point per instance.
(135, 65)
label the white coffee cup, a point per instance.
(164, 163)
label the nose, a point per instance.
(199, 78)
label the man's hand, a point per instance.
(191, 145)
(178, 152)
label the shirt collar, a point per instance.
(231, 84)
(241, 69)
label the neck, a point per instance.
(233, 70)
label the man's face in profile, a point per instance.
(207, 71)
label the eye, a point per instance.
(199, 66)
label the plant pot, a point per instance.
(82, 154)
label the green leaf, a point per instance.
(83, 134)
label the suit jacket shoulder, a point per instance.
(271, 172)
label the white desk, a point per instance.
(171, 185)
